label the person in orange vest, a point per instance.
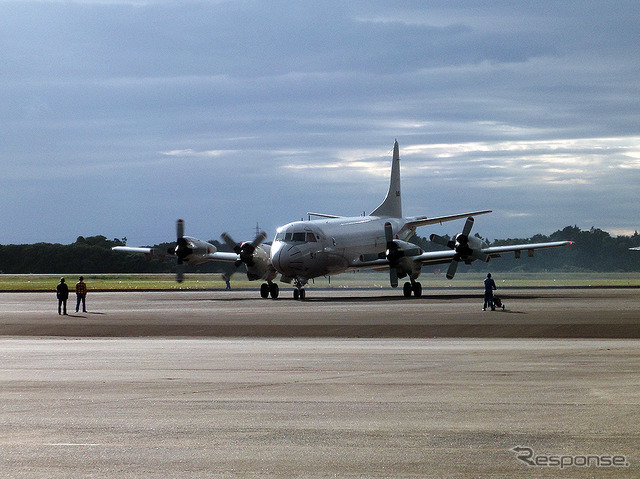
(81, 294)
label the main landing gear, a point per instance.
(413, 287)
(269, 289)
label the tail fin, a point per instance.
(392, 204)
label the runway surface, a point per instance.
(532, 313)
(168, 392)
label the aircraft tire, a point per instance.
(407, 290)
(417, 289)
(296, 294)
(264, 290)
(274, 290)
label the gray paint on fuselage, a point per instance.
(340, 242)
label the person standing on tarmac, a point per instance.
(489, 288)
(81, 294)
(62, 293)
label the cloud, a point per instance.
(228, 113)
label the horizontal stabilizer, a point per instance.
(415, 221)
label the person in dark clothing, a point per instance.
(81, 293)
(489, 287)
(62, 293)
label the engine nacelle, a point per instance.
(198, 251)
(407, 249)
(261, 265)
(476, 243)
(400, 258)
(470, 248)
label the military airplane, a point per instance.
(330, 245)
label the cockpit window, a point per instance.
(297, 237)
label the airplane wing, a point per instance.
(494, 251)
(440, 257)
(637, 248)
(192, 251)
(221, 256)
(160, 253)
(188, 251)
(131, 249)
(446, 256)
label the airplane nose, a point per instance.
(288, 261)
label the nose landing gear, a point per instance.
(299, 292)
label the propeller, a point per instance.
(182, 251)
(246, 249)
(393, 253)
(461, 247)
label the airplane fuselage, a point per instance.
(308, 249)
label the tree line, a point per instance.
(594, 250)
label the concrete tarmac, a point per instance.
(529, 313)
(162, 389)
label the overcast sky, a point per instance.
(119, 117)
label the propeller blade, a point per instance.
(388, 233)
(439, 240)
(453, 266)
(442, 241)
(259, 239)
(467, 226)
(180, 229)
(180, 272)
(392, 252)
(182, 250)
(228, 240)
(393, 277)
